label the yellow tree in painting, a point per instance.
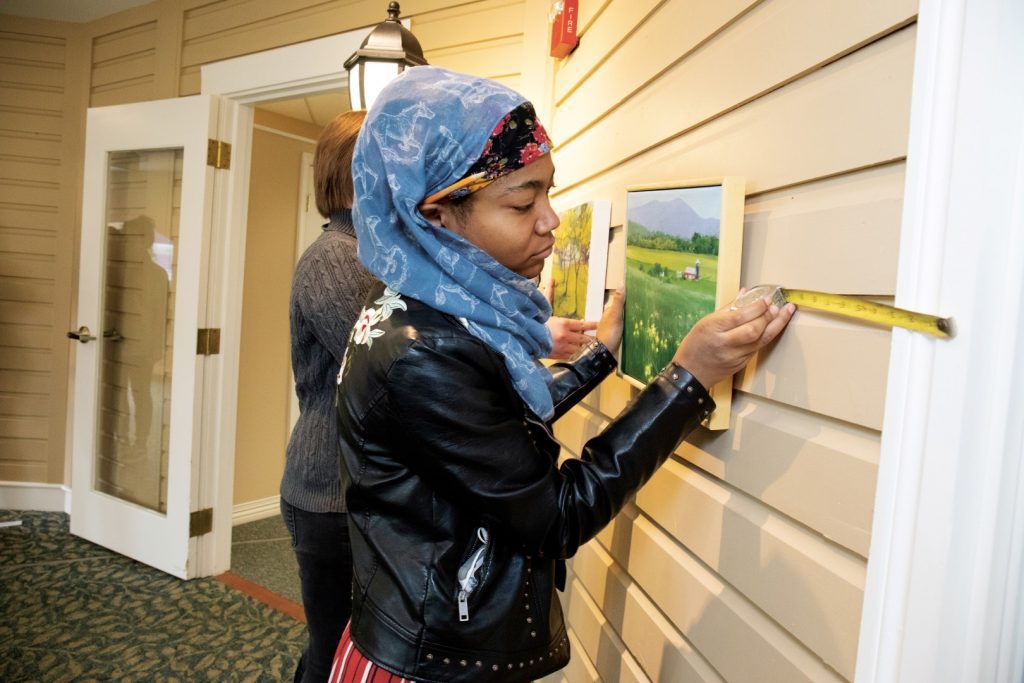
(572, 256)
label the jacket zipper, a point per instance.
(468, 579)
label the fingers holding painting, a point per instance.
(609, 329)
(567, 336)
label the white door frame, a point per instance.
(946, 565)
(301, 69)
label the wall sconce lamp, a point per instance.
(385, 53)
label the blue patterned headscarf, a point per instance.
(423, 133)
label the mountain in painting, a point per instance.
(674, 217)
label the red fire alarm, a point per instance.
(564, 18)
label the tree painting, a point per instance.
(672, 242)
(571, 262)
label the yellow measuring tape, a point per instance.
(851, 307)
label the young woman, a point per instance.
(459, 513)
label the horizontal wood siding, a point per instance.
(124, 65)
(36, 182)
(744, 558)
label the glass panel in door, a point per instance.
(142, 216)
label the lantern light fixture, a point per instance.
(386, 52)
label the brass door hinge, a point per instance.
(200, 522)
(208, 343)
(218, 154)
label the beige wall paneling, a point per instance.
(484, 39)
(819, 472)
(714, 72)
(598, 639)
(656, 645)
(579, 669)
(498, 60)
(806, 584)
(826, 365)
(36, 176)
(124, 65)
(590, 10)
(837, 235)
(628, 44)
(537, 80)
(264, 389)
(802, 581)
(739, 640)
(170, 26)
(479, 22)
(861, 101)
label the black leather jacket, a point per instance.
(459, 513)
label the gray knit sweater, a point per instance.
(327, 295)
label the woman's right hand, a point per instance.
(723, 342)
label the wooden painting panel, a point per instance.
(579, 260)
(683, 249)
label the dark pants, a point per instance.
(320, 541)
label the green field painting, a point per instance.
(662, 306)
(672, 245)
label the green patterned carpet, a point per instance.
(72, 611)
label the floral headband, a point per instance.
(518, 139)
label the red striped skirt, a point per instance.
(350, 666)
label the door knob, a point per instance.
(81, 335)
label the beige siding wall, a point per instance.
(744, 558)
(39, 187)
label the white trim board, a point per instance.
(945, 576)
(16, 495)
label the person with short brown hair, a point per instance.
(328, 289)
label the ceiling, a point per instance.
(75, 11)
(317, 109)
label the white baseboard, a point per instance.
(16, 495)
(255, 510)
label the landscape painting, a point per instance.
(682, 262)
(579, 261)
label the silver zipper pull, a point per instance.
(463, 606)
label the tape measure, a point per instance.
(850, 307)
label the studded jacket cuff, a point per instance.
(680, 378)
(574, 379)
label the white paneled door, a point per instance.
(146, 211)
